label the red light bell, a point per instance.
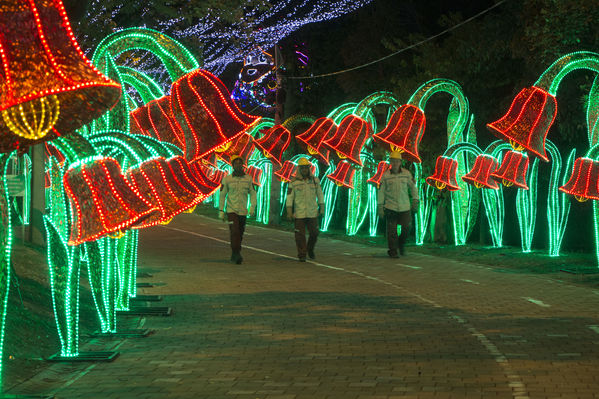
(528, 120)
(206, 113)
(274, 143)
(349, 138)
(404, 132)
(584, 180)
(480, 175)
(102, 201)
(381, 168)
(321, 130)
(513, 170)
(343, 175)
(445, 174)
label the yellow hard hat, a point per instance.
(395, 155)
(303, 162)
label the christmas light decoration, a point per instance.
(242, 146)
(162, 120)
(48, 87)
(322, 129)
(343, 175)
(583, 182)
(287, 171)
(157, 184)
(145, 86)
(533, 111)
(226, 42)
(274, 142)
(255, 173)
(5, 254)
(175, 58)
(207, 115)
(257, 81)
(101, 200)
(480, 174)
(404, 132)
(528, 120)
(381, 168)
(513, 170)
(445, 174)
(526, 205)
(350, 136)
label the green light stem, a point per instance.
(552, 77)
(558, 203)
(174, 56)
(424, 93)
(526, 208)
(147, 88)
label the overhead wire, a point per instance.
(400, 50)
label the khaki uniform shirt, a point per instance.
(396, 189)
(236, 189)
(304, 196)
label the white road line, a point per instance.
(537, 302)
(347, 253)
(469, 281)
(409, 266)
(594, 328)
(514, 380)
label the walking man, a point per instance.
(304, 203)
(234, 191)
(395, 204)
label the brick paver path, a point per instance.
(352, 324)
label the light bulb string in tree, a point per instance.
(174, 56)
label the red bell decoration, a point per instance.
(513, 170)
(349, 138)
(287, 171)
(185, 176)
(158, 185)
(242, 146)
(404, 132)
(102, 201)
(381, 168)
(274, 143)
(139, 121)
(343, 175)
(163, 124)
(480, 175)
(218, 175)
(583, 183)
(445, 174)
(202, 173)
(48, 87)
(208, 160)
(255, 173)
(206, 113)
(528, 120)
(321, 130)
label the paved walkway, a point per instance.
(353, 324)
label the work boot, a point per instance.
(311, 254)
(392, 254)
(301, 258)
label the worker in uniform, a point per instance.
(305, 202)
(397, 197)
(234, 192)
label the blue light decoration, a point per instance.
(257, 82)
(224, 42)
